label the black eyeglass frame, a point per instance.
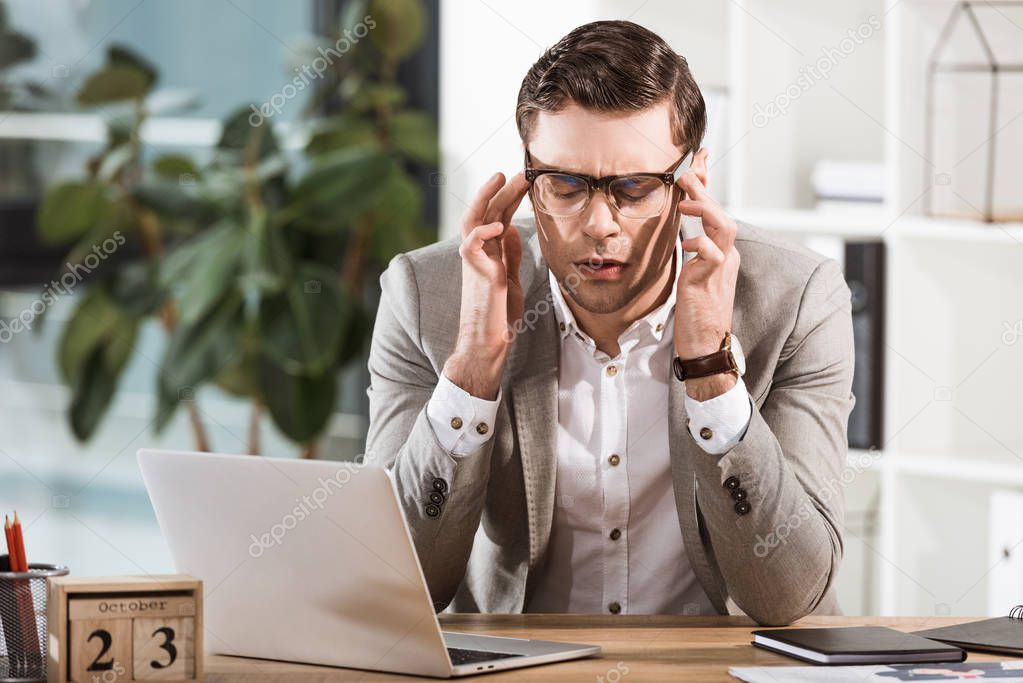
(669, 178)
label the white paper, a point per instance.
(1004, 672)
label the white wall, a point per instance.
(487, 48)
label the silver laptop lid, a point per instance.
(305, 561)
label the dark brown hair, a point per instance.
(613, 66)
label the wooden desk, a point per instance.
(652, 648)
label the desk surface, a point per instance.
(653, 648)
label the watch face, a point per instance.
(738, 355)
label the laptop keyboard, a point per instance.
(461, 656)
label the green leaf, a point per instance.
(415, 135)
(358, 330)
(212, 272)
(341, 186)
(198, 352)
(123, 56)
(15, 48)
(340, 132)
(239, 132)
(300, 328)
(375, 96)
(173, 166)
(69, 210)
(173, 200)
(267, 259)
(397, 220)
(94, 349)
(401, 25)
(112, 84)
(240, 376)
(91, 395)
(136, 288)
(300, 405)
(92, 322)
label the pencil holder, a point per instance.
(23, 621)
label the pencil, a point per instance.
(19, 544)
(12, 553)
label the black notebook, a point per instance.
(855, 645)
(1003, 635)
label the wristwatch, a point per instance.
(728, 358)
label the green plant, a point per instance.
(261, 275)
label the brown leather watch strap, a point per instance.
(704, 366)
(716, 363)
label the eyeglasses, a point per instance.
(636, 195)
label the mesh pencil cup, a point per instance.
(23, 639)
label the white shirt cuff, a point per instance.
(461, 421)
(718, 424)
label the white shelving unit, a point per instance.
(954, 300)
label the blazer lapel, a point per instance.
(534, 385)
(684, 479)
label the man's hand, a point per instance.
(492, 297)
(706, 286)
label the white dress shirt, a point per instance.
(616, 545)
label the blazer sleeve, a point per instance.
(779, 553)
(401, 439)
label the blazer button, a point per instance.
(432, 510)
(732, 483)
(742, 507)
(436, 497)
(739, 495)
(440, 485)
(615, 607)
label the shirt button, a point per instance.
(614, 608)
(456, 423)
(482, 428)
(562, 326)
(705, 433)
(616, 534)
(660, 326)
(614, 460)
(612, 370)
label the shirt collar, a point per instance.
(657, 321)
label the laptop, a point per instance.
(312, 561)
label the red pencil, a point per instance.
(12, 556)
(19, 544)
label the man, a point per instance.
(527, 381)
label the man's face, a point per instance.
(600, 144)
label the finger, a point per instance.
(478, 237)
(690, 182)
(718, 225)
(512, 253)
(705, 249)
(508, 196)
(477, 210)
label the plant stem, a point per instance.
(149, 228)
(309, 449)
(254, 419)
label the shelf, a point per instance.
(867, 226)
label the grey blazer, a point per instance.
(481, 548)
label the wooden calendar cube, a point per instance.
(121, 629)
(160, 645)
